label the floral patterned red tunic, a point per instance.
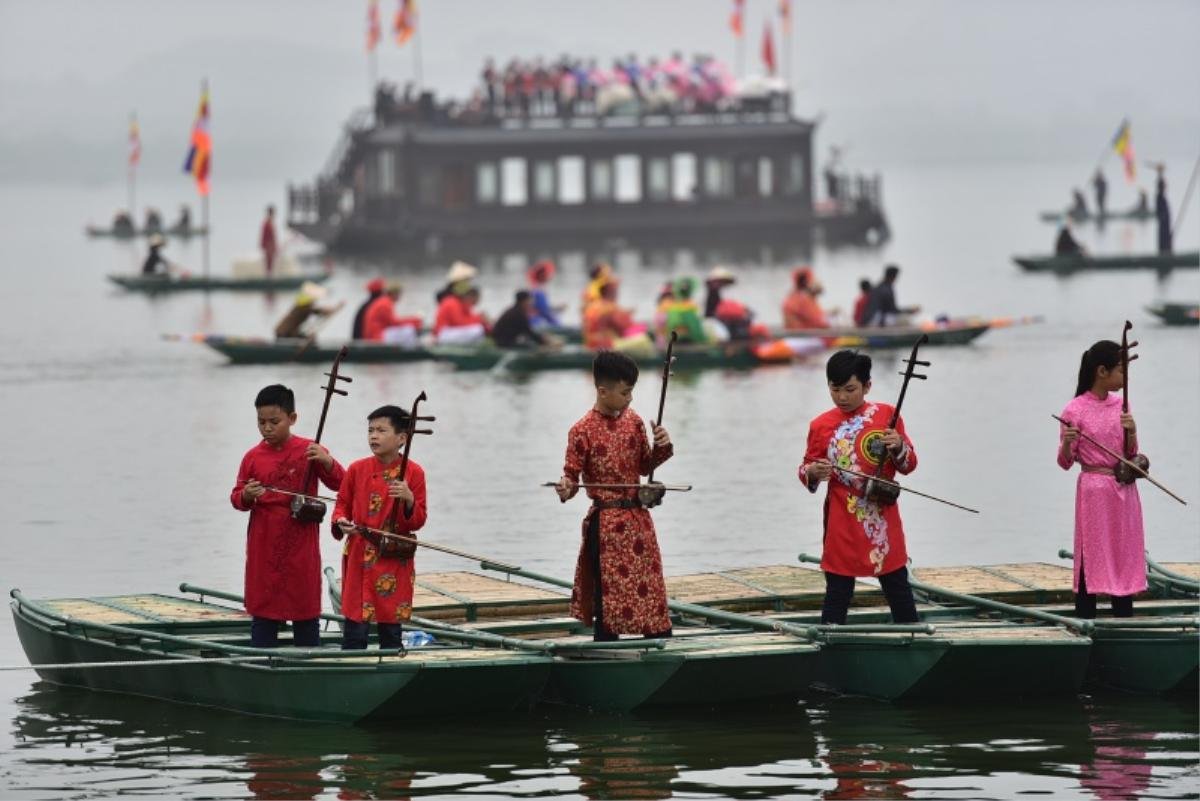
(616, 450)
(374, 588)
(862, 537)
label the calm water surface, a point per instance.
(121, 449)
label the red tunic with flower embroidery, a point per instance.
(377, 588)
(862, 537)
(283, 555)
(616, 450)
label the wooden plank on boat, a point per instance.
(714, 589)
(462, 595)
(1048, 582)
(769, 588)
(977, 581)
(149, 608)
(1189, 569)
(802, 587)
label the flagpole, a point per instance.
(132, 174)
(204, 239)
(372, 75)
(204, 205)
(417, 52)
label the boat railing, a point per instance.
(360, 122)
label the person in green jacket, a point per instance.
(682, 315)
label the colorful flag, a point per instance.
(406, 21)
(1124, 147)
(768, 49)
(735, 20)
(785, 15)
(373, 27)
(199, 158)
(135, 141)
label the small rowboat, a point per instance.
(256, 350)
(1065, 265)
(1177, 313)
(1138, 215)
(154, 284)
(174, 230)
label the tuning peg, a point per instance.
(430, 417)
(422, 430)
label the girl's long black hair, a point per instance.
(1104, 353)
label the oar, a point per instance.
(1082, 626)
(667, 487)
(902, 487)
(1118, 457)
(720, 615)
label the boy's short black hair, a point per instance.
(394, 414)
(522, 295)
(610, 366)
(276, 395)
(847, 364)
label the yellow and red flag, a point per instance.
(1124, 147)
(199, 157)
(135, 141)
(374, 30)
(735, 19)
(405, 24)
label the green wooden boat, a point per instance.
(180, 231)
(256, 350)
(186, 651)
(1065, 265)
(956, 332)
(1177, 313)
(1135, 214)
(154, 285)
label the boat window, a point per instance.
(487, 183)
(797, 180)
(429, 185)
(746, 177)
(544, 190)
(718, 177)
(381, 173)
(683, 177)
(514, 189)
(570, 180)
(766, 176)
(601, 180)
(658, 178)
(456, 186)
(629, 178)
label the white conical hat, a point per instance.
(460, 271)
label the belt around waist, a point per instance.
(1090, 468)
(620, 503)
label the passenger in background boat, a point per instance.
(267, 242)
(862, 537)
(599, 274)
(184, 223)
(1066, 244)
(726, 319)
(619, 586)
(1110, 542)
(881, 306)
(1100, 187)
(377, 587)
(153, 222)
(155, 264)
(801, 309)
(459, 272)
(122, 224)
(374, 289)
(1162, 213)
(513, 329)
(382, 324)
(1079, 209)
(1143, 204)
(457, 322)
(303, 309)
(860, 304)
(544, 314)
(682, 315)
(606, 324)
(718, 278)
(283, 555)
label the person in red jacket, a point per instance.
(382, 324)
(283, 555)
(457, 321)
(377, 587)
(267, 242)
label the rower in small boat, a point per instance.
(881, 307)
(155, 264)
(122, 224)
(1162, 212)
(1066, 244)
(184, 223)
(304, 308)
(1100, 187)
(1079, 209)
(514, 329)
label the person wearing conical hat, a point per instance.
(304, 307)
(155, 264)
(382, 324)
(458, 278)
(734, 317)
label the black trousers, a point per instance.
(600, 632)
(355, 635)
(264, 632)
(1085, 602)
(839, 591)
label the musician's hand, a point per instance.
(1069, 435)
(252, 491)
(317, 453)
(1127, 423)
(400, 489)
(346, 526)
(819, 471)
(566, 489)
(892, 440)
(661, 438)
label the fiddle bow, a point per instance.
(1123, 471)
(877, 488)
(305, 508)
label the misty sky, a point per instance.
(899, 82)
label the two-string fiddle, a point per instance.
(1123, 472)
(397, 547)
(307, 508)
(877, 488)
(651, 493)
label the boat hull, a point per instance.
(244, 350)
(1185, 314)
(156, 284)
(1065, 265)
(1145, 660)
(756, 671)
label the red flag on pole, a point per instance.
(406, 21)
(374, 31)
(735, 19)
(768, 49)
(135, 141)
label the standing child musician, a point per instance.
(1109, 540)
(377, 583)
(283, 555)
(862, 536)
(619, 586)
